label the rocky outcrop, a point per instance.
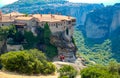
(64, 46)
(3, 46)
(100, 23)
(115, 21)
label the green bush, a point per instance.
(48, 68)
(67, 71)
(99, 72)
(18, 61)
(37, 54)
(27, 61)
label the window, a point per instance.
(74, 20)
(2, 24)
(67, 31)
(56, 25)
(69, 22)
(42, 24)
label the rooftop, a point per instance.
(51, 17)
(23, 18)
(39, 17)
(14, 14)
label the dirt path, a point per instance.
(14, 75)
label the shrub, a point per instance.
(93, 72)
(48, 68)
(98, 72)
(67, 71)
(27, 61)
(21, 62)
(37, 54)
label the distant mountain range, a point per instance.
(78, 10)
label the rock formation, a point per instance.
(64, 46)
(101, 22)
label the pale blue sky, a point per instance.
(106, 2)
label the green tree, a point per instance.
(47, 34)
(30, 39)
(40, 35)
(19, 37)
(50, 49)
(4, 31)
(12, 31)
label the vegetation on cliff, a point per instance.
(29, 40)
(98, 53)
(48, 46)
(102, 24)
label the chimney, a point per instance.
(68, 17)
(41, 15)
(51, 15)
(10, 16)
(0, 15)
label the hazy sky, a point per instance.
(106, 2)
(7, 1)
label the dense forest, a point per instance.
(97, 53)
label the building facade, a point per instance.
(57, 23)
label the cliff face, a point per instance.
(115, 21)
(100, 23)
(78, 10)
(3, 46)
(64, 46)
